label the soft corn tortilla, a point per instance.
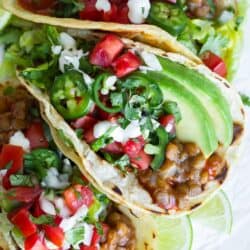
(7, 242)
(125, 189)
(145, 33)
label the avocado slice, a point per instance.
(208, 94)
(196, 125)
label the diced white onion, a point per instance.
(133, 130)
(47, 206)
(103, 5)
(151, 61)
(108, 85)
(226, 16)
(64, 212)
(67, 41)
(1, 53)
(138, 10)
(101, 128)
(19, 139)
(68, 223)
(88, 234)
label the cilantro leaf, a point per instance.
(172, 108)
(123, 162)
(245, 99)
(21, 180)
(43, 219)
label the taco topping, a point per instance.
(202, 26)
(45, 197)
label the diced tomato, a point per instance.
(36, 136)
(113, 148)
(77, 196)
(106, 50)
(126, 64)
(13, 155)
(215, 63)
(21, 219)
(36, 5)
(84, 122)
(58, 219)
(34, 242)
(141, 161)
(133, 146)
(90, 12)
(88, 135)
(36, 209)
(111, 15)
(24, 194)
(54, 234)
(168, 122)
(122, 15)
(88, 247)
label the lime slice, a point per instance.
(161, 232)
(4, 18)
(216, 213)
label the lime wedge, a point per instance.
(4, 18)
(216, 213)
(160, 232)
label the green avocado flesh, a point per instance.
(208, 94)
(196, 125)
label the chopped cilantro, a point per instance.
(21, 180)
(245, 99)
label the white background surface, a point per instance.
(237, 186)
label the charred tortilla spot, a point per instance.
(196, 205)
(237, 132)
(132, 213)
(226, 85)
(153, 235)
(242, 111)
(223, 174)
(117, 190)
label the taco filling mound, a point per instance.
(210, 29)
(152, 130)
(46, 203)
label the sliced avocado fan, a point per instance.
(196, 124)
(207, 93)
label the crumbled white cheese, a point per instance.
(67, 41)
(64, 212)
(109, 84)
(68, 57)
(138, 10)
(2, 49)
(68, 223)
(118, 134)
(103, 5)
(56, 49)
(87, 79)
(19, 139)
(155, 123)
(151, 61)
(55, 180)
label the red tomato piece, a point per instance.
(113, 148)
(106, 50)
(36, 209)
(21, 219)
(84, 122)
(141, 161)
(215, 63)
(36, 5)
(88, 248)
(122, 15)
(58, 220)
(14, 155)
(88, 135)
(77, 196)
(90, 12)
(34, 242)
(126, 64)
(133, 146)
(54, 234)
(111, 15)
(168, 122)
(36, 136)
(24, 194)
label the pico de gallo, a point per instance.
(203, 26)
(46, 203)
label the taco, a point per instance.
(46, 203)
(153, 131)
(210, 29)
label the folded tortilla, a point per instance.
(126, 190)
(143, 241)
(146, 33)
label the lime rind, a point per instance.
(216, 213)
